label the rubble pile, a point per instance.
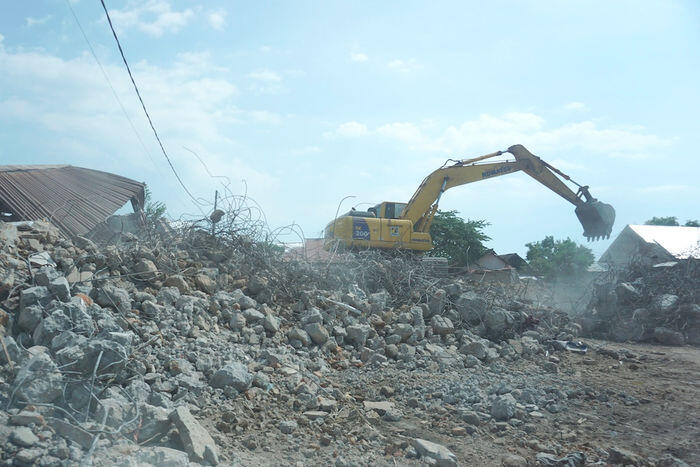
(193, 348)
(648, 304)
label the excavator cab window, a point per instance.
(389, 210)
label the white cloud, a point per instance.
(578, 106)
(358, 57)
(153, 17)
(263, 116)
(669, 189)
(488, 133)
(2, 38)
(404, 66)
(306, 150)
(265, 75)
(348, 130)
(37, 21)
(217, 19)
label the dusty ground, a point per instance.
(644, 400)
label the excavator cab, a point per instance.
(596, 218)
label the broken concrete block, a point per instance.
(197, 442)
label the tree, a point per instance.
(457, 240)
(550, 258)
(153, 210)
(670, 220)
(691, 223)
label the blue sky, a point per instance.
(303, 103)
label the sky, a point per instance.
(297, 105)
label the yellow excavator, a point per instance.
(407, 225)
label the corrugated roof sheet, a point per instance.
(681, 242)
(74, 199)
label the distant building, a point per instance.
(491, 261)
(652, 244)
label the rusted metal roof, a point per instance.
(74, 199)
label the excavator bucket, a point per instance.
(596, 218)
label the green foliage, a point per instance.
(153, 210)
(457, 240)
(670, 220)
(691, 223)
(550, 258)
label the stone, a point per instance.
(436, 303)
(28, 456)
(271, 323)
(299, 335)
(477, 349)
(51, 327)
(27, 417)
(403, 330)
(357, 334)
(23, 437)
(576, 459)
(179, 282)
(471, 307)
(513, 460)
(233, 374)
(288, 426)
(158, 456)
(38, 380)
(33, 296)
(71, 432)
(503, 407)
(315, 414)
(442, 325)
(115, 297)
(60, 288)
(391, 351)
(29, 318)
(626, 293)
(154, 421)
(152, 310)
(312, 315)
(146, 270)
(246, 302)
(318, 333)
(497, 321)
(668, 336)
(381, 407)
(665, 303)
(237, 321)
(253, 316)
(205, 283)
(195, 439)
(442, 456)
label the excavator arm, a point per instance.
(596, 218)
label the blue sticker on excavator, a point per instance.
(360, 229)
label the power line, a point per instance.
(128, 69)
(109, 82)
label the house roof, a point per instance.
(681, 242)
(74, 199)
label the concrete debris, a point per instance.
(193, 349)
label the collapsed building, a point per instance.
(74, 199)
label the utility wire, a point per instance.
(128, 69)
(109, 82)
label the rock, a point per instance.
(513, 460)
(442, 456)
(27, 417)
(28, 456)
(23, 436)
(497, 321)
(233, 374)
(196, 440)
(576, 459)
(237, 321)
(205, 283)
(146, 270)
(477, 349)
(271, 323)
(623, 456)
(665, 303)
(71, 432)
(38, 380)
(29, 318)
(179, 282)
(51, 327)
(60, 288)
(436, 303)
(471, 307)
(381, 407)
(33, 296)
(246, 302)
(288, 426)
(151, 309)
(668, 336)
(299, 335)
(391, 351)
(253, 316)
(157, 456)
(357, 334)
(503, 407)
(318, 333)
(155, 421)
(315, 414)
(115, 297)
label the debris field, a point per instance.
(181, 348)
